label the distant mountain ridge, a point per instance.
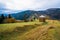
(54, 13)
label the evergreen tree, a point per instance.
(9, 16)
(2, 18)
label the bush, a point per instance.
(9, 20)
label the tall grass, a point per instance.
(17, 31)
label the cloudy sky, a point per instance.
(29, 4)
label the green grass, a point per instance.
(12, 30)
(18, 31)
(11, 26)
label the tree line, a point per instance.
(2, 18)
(10, 19)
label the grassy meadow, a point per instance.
(30, 30)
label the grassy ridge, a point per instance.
(18, 31)
(51, 34)
(12, 30)
(11, 26)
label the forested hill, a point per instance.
(54, 13)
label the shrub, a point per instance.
(9, 20)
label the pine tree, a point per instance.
(2, 18)
(9, 16)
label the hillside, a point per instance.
(31, 31)
(54, 13)
(45, 32)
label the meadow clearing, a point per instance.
(36, 30)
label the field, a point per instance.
(36, 30)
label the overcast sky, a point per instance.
(29, 4)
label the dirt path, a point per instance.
(38, 33)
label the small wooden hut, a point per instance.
(42, 18)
